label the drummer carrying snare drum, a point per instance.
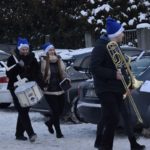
(26, 67)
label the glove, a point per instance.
(21, 63)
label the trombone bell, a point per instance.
(136, 83)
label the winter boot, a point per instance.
(33, 137)
(22, 138)
(58, 130)
(135, 145)
(59, 133)
(104, 148)
(98, 140)
(49, 125)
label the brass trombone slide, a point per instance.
(118, 60)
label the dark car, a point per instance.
(79, 73)
(88, 105)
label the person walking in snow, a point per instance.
(110, 90)
(53, 71)
(27, 67)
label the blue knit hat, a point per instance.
(47, 46)
(22, 42)
(113, 27)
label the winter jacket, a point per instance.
(31, 69)
(104, 70)
(54, 74)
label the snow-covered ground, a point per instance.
(77, 136)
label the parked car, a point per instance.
(76, 78)
(5, 96)
(88, 107)
(77, 70)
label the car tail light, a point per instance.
(4, 79)
(79, 90)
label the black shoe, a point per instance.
(33, 137)
(103, 148)
(99, 148)
(22, 138)
(97, 144)
(137, 146)
(60, 135)
(50, 128)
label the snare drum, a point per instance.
(28, 94)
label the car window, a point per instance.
(3, 57)
(85, 63)
(132, 52)
(138, 67)
(76, 75)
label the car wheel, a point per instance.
(75, 110)
(4, 105)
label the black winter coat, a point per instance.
(103, 69)
(31, 69)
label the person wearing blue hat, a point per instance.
(47, 46)
(26, 67)
(110, 90)
(54, 71)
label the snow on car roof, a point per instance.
(2, 51)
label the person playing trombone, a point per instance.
(110, 90)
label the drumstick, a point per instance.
(6, 67)
(20, 81)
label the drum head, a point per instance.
(25, 86)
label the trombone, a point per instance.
(119, 60)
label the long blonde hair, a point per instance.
(47, 59)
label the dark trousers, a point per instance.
(113, 106)
(23, 121)
(56, 103)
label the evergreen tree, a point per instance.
(130, 13)
(66, 21)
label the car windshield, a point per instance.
(139, 66)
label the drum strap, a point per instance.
(16, 60)
(20, 81)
